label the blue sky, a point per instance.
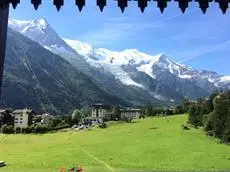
(197, 40)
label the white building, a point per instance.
(131, 113)
(23, 117)
(101, 111)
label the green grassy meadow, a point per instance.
(157, 144)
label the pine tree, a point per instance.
(149, 110)
(221, 106)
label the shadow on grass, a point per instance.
(122, 122)
(133, 122)
(153, 128)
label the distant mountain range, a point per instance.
(129, 77)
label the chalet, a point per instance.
(101, 111)
(23, 117)
(130, 113)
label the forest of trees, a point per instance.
(151, 110)
(213, 114)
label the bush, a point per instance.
(195, 115)
(226, 136)
(141, 116)
(128, 120)
(179, 110)
(208, 122)
(26, 130)
(41, 129)
(7, 129)
(210, 133)
(31, 129)
(10, 129)
(55, 122)
(103, 125)
(61, 126)
(17, 130)
(185, 127)
(4, 128)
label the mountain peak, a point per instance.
(41, 22)
(40, 31)
(163, 56)
(25, 25)
(132, 50)
(82, 48)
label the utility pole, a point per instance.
(4, 15)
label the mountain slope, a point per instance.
(116, 80)
(169, 81)
(134, 76)
(42, 32)
(203, 81)
(38, 79)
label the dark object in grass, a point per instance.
(2, 164)
(185, 127)
(153, 128)
(103, 125)
(128, 120)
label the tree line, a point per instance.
(213, 114)
(151, 110)
(53, 123)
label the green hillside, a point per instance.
(147, 144)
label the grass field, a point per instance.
(148, 144)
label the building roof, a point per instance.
(23, 111)
(3, 110)
(101, 105)
(122, 4)
(131, 110)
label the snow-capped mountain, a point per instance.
(41, 32)
(39, 79)
(144, 63)
(103, 58)
(129, 73)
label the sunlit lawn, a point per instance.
(148, 144)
